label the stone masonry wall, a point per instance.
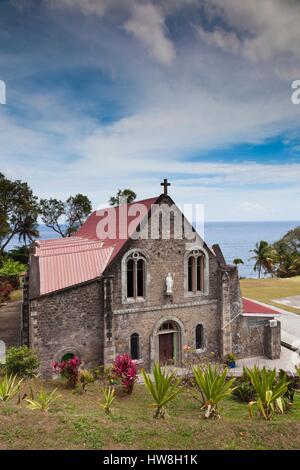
(68, 321)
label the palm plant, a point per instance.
(269, 391)
(9, 387)
(28, 230)
(109, 394)
(213, 386)
(43, 400)
(164, 388)
(263, 256)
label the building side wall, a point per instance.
(68, 321)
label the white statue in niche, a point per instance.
(169, 284)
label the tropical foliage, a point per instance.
(109, 395)
(18, 212)
(43, 400)
(68, 369)
(213, 386)
(269, 390)
(12, 269)
(9, 387)
(125, 369)
(163, 389)
(280, 259)
(244, 391)
(21, 360)
(85, 378)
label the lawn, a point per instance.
(266, 290)
(77, 422)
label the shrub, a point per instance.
(85, 378)
(9, 387)
(12, 270)
(68, 369)
(244, 391)
(213, 386)
(126, 369)
(5, 290)
(164, 388)
(21, 360)
(43, 401)
(109, 394)
(269, 391)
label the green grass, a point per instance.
(266, 290)
(77, 422)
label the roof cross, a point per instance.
(165, 184)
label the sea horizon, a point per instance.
(236, 238)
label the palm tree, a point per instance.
(263, 256)
(28, 230)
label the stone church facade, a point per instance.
(147, 293)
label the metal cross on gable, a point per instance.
(165, 184)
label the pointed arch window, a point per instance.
(196, 272)
(199, 337)
(136, 276)
(135, 346)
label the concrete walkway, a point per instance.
(288, 360)
(10, 324)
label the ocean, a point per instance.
(236, 239)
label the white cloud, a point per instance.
(148, 25)
(262, 30)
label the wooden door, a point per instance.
(166, 348)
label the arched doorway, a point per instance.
(169, 343)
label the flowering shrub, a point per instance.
(126, 369)
(68, 369)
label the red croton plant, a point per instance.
(68, 369)
(126, 369)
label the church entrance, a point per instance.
(168, 343)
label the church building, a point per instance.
(139, 279)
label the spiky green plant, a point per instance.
(9, 387)
(109, 394)
(85, 378)
(43, 400)
(164, 388)
(269, 391)
(213, 386)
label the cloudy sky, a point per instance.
(103, 94)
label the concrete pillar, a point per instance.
(272, 341)
(226, 340)
(109, 344)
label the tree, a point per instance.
(18, 212)
(237, 261)
(287, 254)
(263, 256)
(65, 218)
(122, 193)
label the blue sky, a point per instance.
(103, 94)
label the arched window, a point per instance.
(134, 346)
(136, 275)
(199, 336)
(196, 267)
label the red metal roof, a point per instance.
(65, 262)
(250, 306)
(68, 264)
(89, 228)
